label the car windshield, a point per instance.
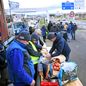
(18, 25)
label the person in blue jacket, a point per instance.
(59, 46)
(43, 29)
(19, 61)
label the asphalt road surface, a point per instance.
(78, 54)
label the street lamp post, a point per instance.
(10, 10)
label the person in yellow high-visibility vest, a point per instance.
(34, 58)
(35, 55)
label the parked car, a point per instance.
(16, 27)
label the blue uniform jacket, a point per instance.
(69, 28)
(43, 29)
(15, 60)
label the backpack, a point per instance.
(3, 63)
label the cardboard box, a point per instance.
(74, 83)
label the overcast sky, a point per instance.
(37, 3)
(33, 3)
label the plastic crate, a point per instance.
(45, 83)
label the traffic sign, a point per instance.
(72, 14)
(67, 5)
(79, 4)
(13, 5)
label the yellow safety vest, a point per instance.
(34, 58)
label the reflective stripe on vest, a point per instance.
(34, 58)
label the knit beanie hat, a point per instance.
(34, 37)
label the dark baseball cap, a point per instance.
(51, 35)
(24, 35)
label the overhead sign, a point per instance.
(67, 5)
(13, 5)
(79, 4)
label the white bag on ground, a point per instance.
(69, 71)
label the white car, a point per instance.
(16, 27)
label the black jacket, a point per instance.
(32, 51)
(3, 63)
(60, 46)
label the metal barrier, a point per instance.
(8, 41)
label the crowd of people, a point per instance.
(22, 55)
(68, 29)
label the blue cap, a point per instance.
(24, 35)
